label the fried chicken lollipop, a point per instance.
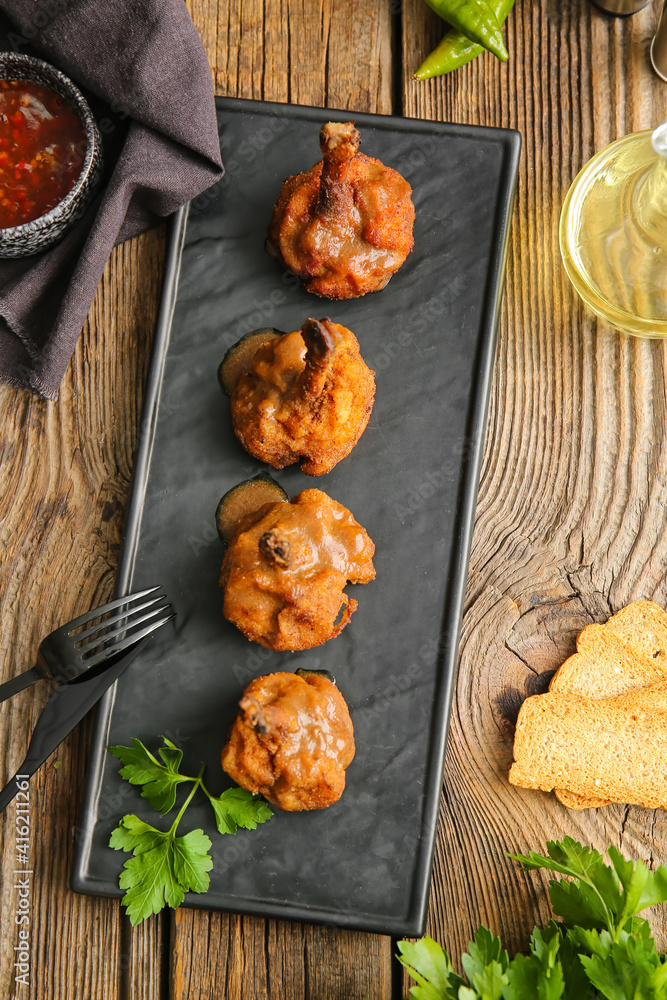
(307, 394)
(345, 226)
(286, 565)
(291, 741)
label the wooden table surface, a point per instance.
(570, 519)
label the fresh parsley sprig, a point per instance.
(600, 897)
(600, 949)
(164, 866)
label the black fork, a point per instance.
(68, 653)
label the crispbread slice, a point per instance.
(613, 747)
(642, 626)
(601, 668)
(626, 653)
(573, 801)
(604, 666)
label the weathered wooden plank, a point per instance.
(234, 957)
(570, 519)
(66, 469)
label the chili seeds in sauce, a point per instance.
(42, 150)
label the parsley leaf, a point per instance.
(591, 900)
(142, 768)
(150, 881)
(577, 983)
(488, 984)
(538, 975)
(641, 887)
(483, 951)
(580, 904)
(192, 861)
(132, 833)
(238, 808)
(163, 866)
(430, 966)
(633, 968)
(601, 896)
(485, 965)
(567, 857)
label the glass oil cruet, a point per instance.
(613, 233)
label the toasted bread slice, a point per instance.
(610, 747)
(604, 666)
(601, 668)
(642, 626)
(573, 801)
(626, 653)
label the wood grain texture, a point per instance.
(215, 955)
(570, 519)
(569, 526)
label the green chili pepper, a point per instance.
(455, 49)
(476, 20)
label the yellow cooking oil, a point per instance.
(613, 233)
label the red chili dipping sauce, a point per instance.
(42, 149)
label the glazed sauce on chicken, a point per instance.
(285, 568)
(352, 236)
(279, 366)
(42, 150)
(292, 741)
(344, 226)
(308, 395)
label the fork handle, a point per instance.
(23, 680)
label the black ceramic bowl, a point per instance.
(33, 237)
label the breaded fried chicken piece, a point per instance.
(308, 394)
(291, 741)
(285, 568)
(345, 226)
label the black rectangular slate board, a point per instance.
(411, 481)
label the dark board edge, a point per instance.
(364, 118)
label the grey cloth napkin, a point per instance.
(143, 68)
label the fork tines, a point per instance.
(101, 641)
(95, 613)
